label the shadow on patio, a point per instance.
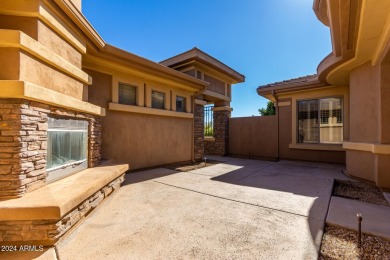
(235, 209)
(293, 187)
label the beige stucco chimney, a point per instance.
(77, 3)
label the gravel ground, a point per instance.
(359, 191)
(185, 167)
(339, 243)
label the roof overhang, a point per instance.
(360, 31)
(117, 59)
(269, 91)
(196, 56)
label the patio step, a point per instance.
(43, 216)
(376, 218)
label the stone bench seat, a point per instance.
(46, 214)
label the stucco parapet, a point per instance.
(224, 108)
(30, 91)
(18, 39)
(367, 147)
(41, 10)
(79, 19)
(148, 110)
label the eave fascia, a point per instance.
(203, 58)
(234, 76)
(121, 60)
(275, 90)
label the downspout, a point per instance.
(277, 124)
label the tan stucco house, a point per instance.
(341, 114)
(76, 113)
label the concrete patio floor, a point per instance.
(238, 209)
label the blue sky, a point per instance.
(266, 40)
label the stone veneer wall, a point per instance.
(23, 144)
(198, 132)
(219, 146)
(47, 232)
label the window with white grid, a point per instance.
(320, 121)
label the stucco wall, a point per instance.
(370, 122)
(39, 31)
(361, 164)
(385, 98)
(37, 72)
(28, 25)
(146, 140)
(57, 44)
(23, 63)
(364, 103)
(139, 139)
(253, 136)
(258, 137)
(9, 63)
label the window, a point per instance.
(208, 121)
(180, 104)
(66, 147)
(158, 99)
(127, 94)
(199, 74)
(320, 121)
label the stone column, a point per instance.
(221, 130)
(199, 129)
(95, 141)
(23, 144)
